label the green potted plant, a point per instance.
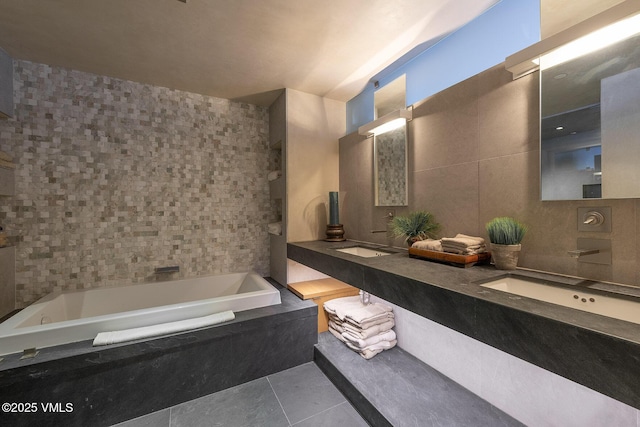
(505, 235)
(415, 226)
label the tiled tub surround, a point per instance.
(115, 178)
(119, 382)
(447, 304)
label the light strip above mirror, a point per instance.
(617, 23)
(386, 123)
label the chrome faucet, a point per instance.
(390, 236)
(582, 252)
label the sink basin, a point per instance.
(603, 303)
(363, 252)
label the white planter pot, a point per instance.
(505, 257)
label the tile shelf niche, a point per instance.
(598, 352)
(277, 188)
(6, 85)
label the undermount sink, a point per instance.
(363, 252)
(603, 303)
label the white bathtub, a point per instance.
(65, 317)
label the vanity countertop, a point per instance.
(599, 352)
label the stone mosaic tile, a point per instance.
(115, 178)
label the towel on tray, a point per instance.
(463, 244)
(428, 245)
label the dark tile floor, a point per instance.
(302, 396)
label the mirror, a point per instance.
(390, 173)
(390, 148)
(590, 124)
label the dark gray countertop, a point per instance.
(599, 352)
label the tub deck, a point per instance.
(107, 385)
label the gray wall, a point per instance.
(115, 178)
(474, 155)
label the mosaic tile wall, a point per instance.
(392, 164)
(115, 178)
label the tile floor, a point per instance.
(301, 396)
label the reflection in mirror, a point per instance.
(390, 148)
(390, 168)
(390, 97)
(590, 124)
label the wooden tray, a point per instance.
(449, 258)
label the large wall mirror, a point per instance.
(390, 148)
(590, 126)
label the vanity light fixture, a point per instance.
(386, 123)
(604, 29)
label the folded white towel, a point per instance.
(105, 338)
(428, 245)
(468, 251)
(371, 351)
(384, 317)
(479, 240)
(275, 228)
(337, 326)
(336, 334)
(463, 240)
(373, 329)
(339, 306)
(273, 175)
(360, 343)
(367, 313)
(463, 244)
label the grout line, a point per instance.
(278, 399)
(321, 412)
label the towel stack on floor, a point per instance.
(366, 329)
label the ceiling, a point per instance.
(235, 49)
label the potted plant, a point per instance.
(505, 235)
(415, 226)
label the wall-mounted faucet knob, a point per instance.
(593, 218)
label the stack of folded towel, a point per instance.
(428, 245)
(463, 245)
(366, 329)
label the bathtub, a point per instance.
(70, 316)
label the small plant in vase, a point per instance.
(505, 235)
(415, 226)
